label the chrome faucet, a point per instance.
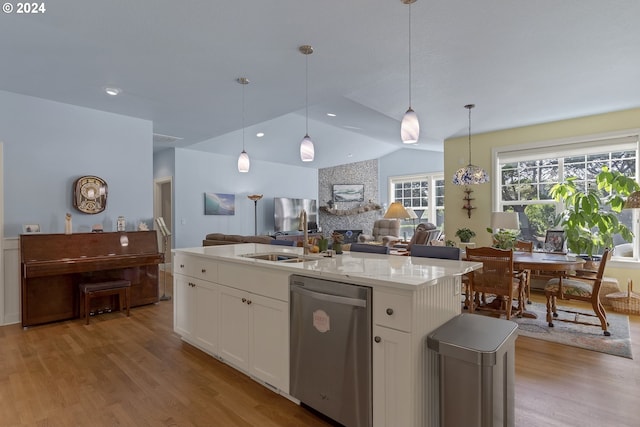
(305, 229)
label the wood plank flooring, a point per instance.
(135, 371)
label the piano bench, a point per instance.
(88, 291)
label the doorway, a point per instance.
(163, 207)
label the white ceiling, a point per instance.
(520, 62)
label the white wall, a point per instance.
(48, 145)
(406, 161)
(198, 172)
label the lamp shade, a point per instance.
(410, 127)
(633, 201)
(505, 221)
(397, 211)
(412, 213)
(307, 151)
(470, 175)
(243, 162)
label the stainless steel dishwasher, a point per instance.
(331, 348)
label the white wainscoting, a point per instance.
(11, 285)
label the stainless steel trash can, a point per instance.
(476, 370)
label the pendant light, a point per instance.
(243, 159)
(307, 151)
(409, 127)
(470, 174)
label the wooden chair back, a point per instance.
(524, 246)
(496, 276)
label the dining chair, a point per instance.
(373, 249)
(441, 252)
(496, 277)
(525, 246)
(283, 242)
(581, 287)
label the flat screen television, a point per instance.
(286, 213)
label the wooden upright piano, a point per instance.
(54, 264)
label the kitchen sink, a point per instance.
(280, 257)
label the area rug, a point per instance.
(582, 336)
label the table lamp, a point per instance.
(412, 215)
(396, 211)
(504, 221)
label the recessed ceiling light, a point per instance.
(331, 114)
(260, 134)
(113, 91)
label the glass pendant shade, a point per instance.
(410, 127)
(306, 149)
(243, 162)
(469, 175)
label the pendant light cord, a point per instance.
(243, 85)
(470, 135)
(409, 55)
(306, 100)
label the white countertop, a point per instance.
(402, 272)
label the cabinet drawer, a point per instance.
(392, 310)
(195, 267)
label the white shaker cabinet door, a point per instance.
(233, 339)
(392, 397)
(205, 328)
(269, 338)
(183, 305)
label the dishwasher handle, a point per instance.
(329, 297)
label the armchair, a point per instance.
(384, 230)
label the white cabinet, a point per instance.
(392, 359)
(205, 327)
(392, 398)
(234, 326)
(196, 311)
(254, 335)
(183, 302)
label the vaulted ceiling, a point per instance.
(177, 62)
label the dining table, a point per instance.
(547, 263)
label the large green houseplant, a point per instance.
(590, 217)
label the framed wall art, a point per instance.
(348, 192)
(219, 204)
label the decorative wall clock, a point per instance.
(90, 194)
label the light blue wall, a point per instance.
(48, 145)
(406, 161)
(197, 172)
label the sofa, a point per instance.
(214, 239)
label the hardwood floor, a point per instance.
(136, 372)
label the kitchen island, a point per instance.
(232, 302)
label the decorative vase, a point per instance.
(337, 247)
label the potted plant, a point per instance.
(504, 239)
(465, 234)
(590, 218)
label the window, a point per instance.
(528, 173)
(424, 193)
